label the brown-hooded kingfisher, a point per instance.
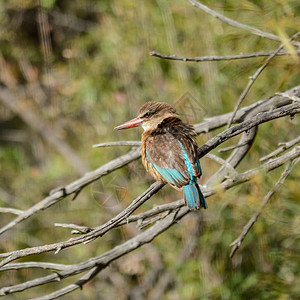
(169, 151)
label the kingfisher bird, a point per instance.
(169, 151)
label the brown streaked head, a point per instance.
(153, 108)
(150, 115)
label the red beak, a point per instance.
(130, 124)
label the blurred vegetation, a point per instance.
(95, 75)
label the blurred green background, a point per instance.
(86, 69)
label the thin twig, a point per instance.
(206, 126)
(72, 287)
(121, 143)
(76, 228)
(242, 177)
(224, 163)
(74, 186)
(97, 232)
(232, 147)
(291, 109)
(283, 147)
(145, 237)
(219, 58)
(254, 77)
(34, 265)
(237, 243)
(11, 210)
(235, 23)
(103, 260)
(276, 101)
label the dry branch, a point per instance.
(237, 243)
(211, 144)
(235, 23)
(208, 125)
(254, 77)
(219, 58)
(282, 148)
(74, 187)
(145, 237)
(164, 215)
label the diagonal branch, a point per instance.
(260, 118)
(290, 109)
(254, 77)
(74, 187)
(72, 287)
(206, 126)
(237, 243)
(145, 237)
(282, 148)
(235, 23)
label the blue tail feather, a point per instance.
(193, 195)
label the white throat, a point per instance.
(146, 126)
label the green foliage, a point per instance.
(100, 74)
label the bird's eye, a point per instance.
(147, 115)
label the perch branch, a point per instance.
(147, 236)
(100, 230)
(206, 126)
(290, 109)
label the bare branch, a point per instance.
(103, 260)
(260, 106)
(72, 287)
(254, 77)
(232, 147)
(224, 163)
(211, 144)
(219, 58)
(76, 228)
(98, 231)
(282, 148)
(283, 108)
(235, 23)
(206, 126)
(74, 186)
(33, 264)
(148, 235)
(290, 109)
(121, 143)
(237, 243)
(11, 210)
(238, 154)
(260, 118)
